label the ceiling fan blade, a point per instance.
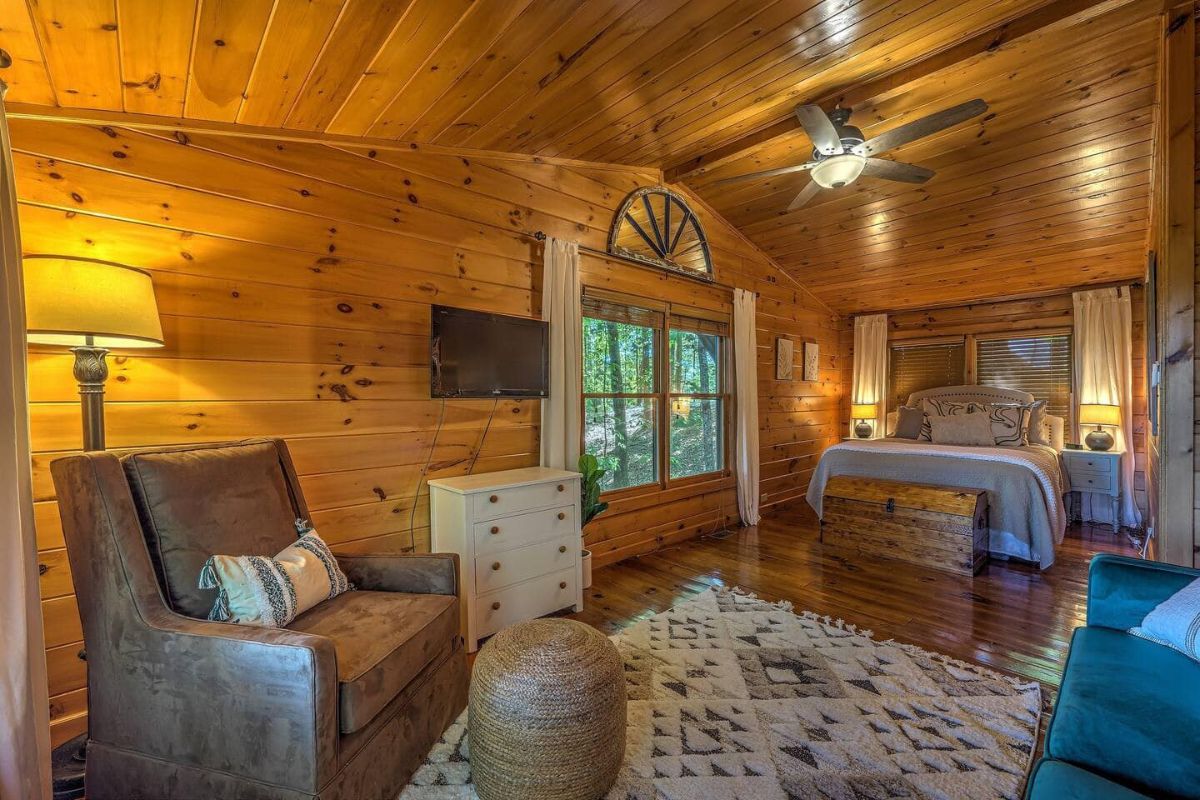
(767, 173)
(820, 130)
(896, 171)
(806, 194)
(920, 128)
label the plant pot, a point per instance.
(587, 569)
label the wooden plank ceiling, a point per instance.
(1049, 189)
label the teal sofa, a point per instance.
(1127, 721)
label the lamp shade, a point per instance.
(864, 410)
(79, 302)
(838, 171)
(1097, 414)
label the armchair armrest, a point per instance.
(426, 573)
(1122, 590)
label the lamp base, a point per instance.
(863, 430)
(1100, 440)
(91, 372)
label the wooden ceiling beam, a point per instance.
(1055, 15)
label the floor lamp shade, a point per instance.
(89, 306)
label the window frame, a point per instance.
(662, 394)
(970, 343)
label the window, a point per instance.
(913, 368)
(1040, 365)
(654, 400)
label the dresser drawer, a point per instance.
(519, 530)
(1089, 481)
(540, 596)
(1090, 464)
(500, 502)
(499, 570)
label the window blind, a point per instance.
(600, 308)
(1040, 365)
(688, 322)
(913, 368)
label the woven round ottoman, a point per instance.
(547, 713)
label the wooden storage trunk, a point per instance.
(937, 526)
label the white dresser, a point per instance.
(1096, 472)
(518, 540)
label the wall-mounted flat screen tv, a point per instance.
(474, 354)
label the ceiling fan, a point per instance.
(841, 155)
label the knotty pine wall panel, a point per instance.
(294, 283)
(1014, 316)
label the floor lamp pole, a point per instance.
(91, 372)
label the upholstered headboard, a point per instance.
(971, 394)
(984, 394)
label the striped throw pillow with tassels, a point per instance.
(272, 591)
(1175, 622)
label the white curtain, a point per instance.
(745, 365)
(1104, 374)
(24, 705)
(871, 366)
(561, 308)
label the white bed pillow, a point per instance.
(934, 407)
(973, 429)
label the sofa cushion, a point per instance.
(197, 502)
(1057, 780)
(382, 640)
(1129, 709)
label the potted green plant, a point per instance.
(590, 505)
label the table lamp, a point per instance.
(863, 412)
(1099, 414)
(90, 306)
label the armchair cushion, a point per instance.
(196, 502)
(1134, 726)
(382, 640)
(1056, 780)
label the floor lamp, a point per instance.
(90, 306)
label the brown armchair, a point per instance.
(344, 703)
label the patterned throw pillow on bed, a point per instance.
(942, 408)
(1010, 423)
(269, 592)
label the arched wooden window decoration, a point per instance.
(657, 227)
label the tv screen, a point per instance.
(474, 354)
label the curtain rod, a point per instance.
(542, 236)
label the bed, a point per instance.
(1025, 485)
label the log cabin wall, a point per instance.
(294, 283)
(1023, 316)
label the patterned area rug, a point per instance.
(733, 698)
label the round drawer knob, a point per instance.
(562, 585)
(495, 529)
(562, 488)
(496, 606)
(562, 548)
(493, 499)
(496, 565)
(562, 515)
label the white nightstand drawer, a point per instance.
(525, 601)
(519, 530)
(499, 570)
(1088, 481)
(1089, 463)
(499, 502)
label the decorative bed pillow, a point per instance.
(1010, 424)
(1039, 425)
(1175, 622)
(973, 428)
(933, 407)
(271, 592)
(909, 422)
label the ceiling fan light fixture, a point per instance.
(838, 171)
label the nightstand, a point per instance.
(1096, 472)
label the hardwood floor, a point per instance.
(1010, 617)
